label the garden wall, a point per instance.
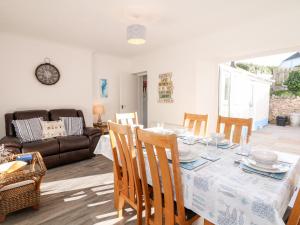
(283, 106)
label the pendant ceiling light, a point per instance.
(136, 34)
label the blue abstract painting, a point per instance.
(103, 88)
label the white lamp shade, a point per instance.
(136, 34)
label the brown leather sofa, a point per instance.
(55, 151)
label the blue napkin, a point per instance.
(226, 146)
(193, 165)
(278, 176)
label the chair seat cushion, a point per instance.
(45, 147)
(70, 143)
(16, 185)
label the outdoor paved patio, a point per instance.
(284, 139)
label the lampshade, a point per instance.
(98, 109)
(136, 34)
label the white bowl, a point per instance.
(265, 157)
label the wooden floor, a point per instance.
(76, 194)
(82, 193)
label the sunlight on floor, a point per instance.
(105, 192)
(98, 203)
(74, 198)
(102, 188)
(109, 222)
(77, 183)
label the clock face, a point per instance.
(47, 74)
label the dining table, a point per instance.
(222, 192)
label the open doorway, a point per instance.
(259, 88)
(142, 98)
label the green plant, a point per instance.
(256, 68)
(293, 81)
(283, 93)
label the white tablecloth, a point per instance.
(225, 195)
(103, 147)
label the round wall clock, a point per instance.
(47, 74)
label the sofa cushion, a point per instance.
(71, 143)
(45, 147)
(55, 114)
(73, 125)
(23, 115)
(52, 129)
(28, 130)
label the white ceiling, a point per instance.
(101, 24)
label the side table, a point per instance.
(102, 126)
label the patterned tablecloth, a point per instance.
(225, 195)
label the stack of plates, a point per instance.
(265, 161)
(184, 156)
(223, 142)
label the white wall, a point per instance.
(195, 84)
(20, 90)
(110, 68)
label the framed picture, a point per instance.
(103, 88)
(165, 88)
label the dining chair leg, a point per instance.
(121, 203)
(139, 213)
(116, 190)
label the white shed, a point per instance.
(244, 95)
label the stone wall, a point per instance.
(283, 106)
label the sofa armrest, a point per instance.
(12, 144)
(90, 131)
(10, 141)
(94, 135)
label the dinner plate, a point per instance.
(212, 142)
(277, 168)
(188, 157)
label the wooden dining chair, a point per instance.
(196, 123)
(238, 124)
(166, 211)
(127, 185)
(127, 118)
(294, 217)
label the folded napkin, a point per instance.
(278, 176)
(193, 165)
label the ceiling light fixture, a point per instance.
(136, 34)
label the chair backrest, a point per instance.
(127, 118)
(196, 123)
(125, 164)
(294, 218)
(156, 146)
(238, 124)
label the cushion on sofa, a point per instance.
(28, 130)
(71, 143)
(73, 125)
(55, 114)
(45, 147)
(23, 115)
(53, 129)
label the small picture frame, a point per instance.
(103, 88)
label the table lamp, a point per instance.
(98, 110)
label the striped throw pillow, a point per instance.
(73, 125)
(28, 130)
